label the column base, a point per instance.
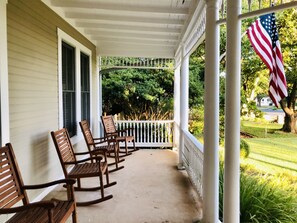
(180, 166)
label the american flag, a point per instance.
(264, 39)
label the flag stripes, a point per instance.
(264, 39)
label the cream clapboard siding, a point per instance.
(33, 86)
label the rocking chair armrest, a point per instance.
(81, 153)
(102, 139)
(121, 130)
(97, 158)
(43, 204)
(111, 134)
(99, 145)
(99, 148)
(99, 151)
(49, 184)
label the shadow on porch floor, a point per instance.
(149, 190)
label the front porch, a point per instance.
(149, 189)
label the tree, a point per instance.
(253, 68)
(287, 23)
(139, 94)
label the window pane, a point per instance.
(68, 80)
(85, 86)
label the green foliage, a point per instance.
(244, 149)
(138, 94)
(196, 76)
(196, 121)
(260, 201)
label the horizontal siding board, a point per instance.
(33, 85)
(36, 73)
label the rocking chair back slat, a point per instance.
(13, 190)
(109, 125)
(10, 189)
(65, 153)
(83, 168)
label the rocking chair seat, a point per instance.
(87, 170)
(39, 214)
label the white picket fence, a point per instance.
(149, 133)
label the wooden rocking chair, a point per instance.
(93, 166)
(99, 145)
(120, 135)
(13, 190)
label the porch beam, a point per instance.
(211, 115)
(94, 26)
(126, 35)
(124, 19)
(118, 7)
(4, 103)
(139, 41)
(232, 114)
(184, 103)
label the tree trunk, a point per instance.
(288, 106)
(290, 123)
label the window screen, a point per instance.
(85, 86)
(69, 91)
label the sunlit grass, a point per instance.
(275, 154)
(264, 130)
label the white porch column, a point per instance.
(100, 97)
(211, 115)
(176, 106)
(96, 103)
(184, 103)
(232, 114)
(4, 104)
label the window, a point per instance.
(74, 84)
(85, 86)
(69, 90)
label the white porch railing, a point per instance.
(193, 160)
(149, 133)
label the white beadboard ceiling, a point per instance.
(130, 28)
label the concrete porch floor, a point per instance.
(149, 189)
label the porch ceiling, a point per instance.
(130, 28)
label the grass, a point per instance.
(275, 153)
(268, 179)
(264, 130)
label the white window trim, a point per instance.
(64, 37)
(4, 96)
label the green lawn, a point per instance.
(271, 150)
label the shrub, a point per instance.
(244, 149)
(262, 202)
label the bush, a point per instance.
(244, 149)
(261, 202)
(196, 122)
